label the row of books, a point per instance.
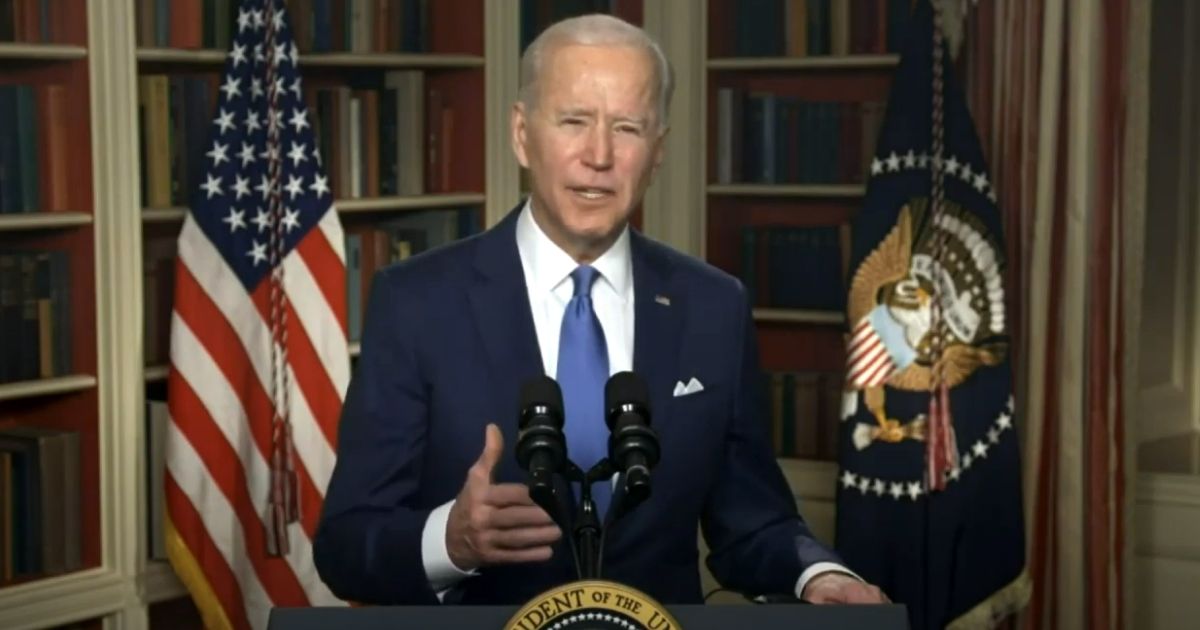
(318, 25)
(35, 315)
(31, 21)
(186, 23)
(361, 26)
(795, 267)
(39, 501)
(536, 15)
(175, 117)
(374, 139)
(33, 148)
(805, 410)
(772, 139)
(370, 247)
(391, 138)
(800, 28)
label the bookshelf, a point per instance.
(53, 393)
(108, 226)
(793, 92)
(95, 56)
(435, 76)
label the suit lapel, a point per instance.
(657, 331)
(658, 324)
(500, 308)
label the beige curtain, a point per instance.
(1058, 89)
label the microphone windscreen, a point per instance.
(541, 391)
(626, 388)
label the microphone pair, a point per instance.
(633, 447)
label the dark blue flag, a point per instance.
(929, 486)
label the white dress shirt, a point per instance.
(547, 271)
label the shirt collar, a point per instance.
(546, 265)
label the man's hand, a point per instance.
(496, 523)
(838, 588)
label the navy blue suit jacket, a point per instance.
(449, 339)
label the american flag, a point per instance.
(259, 357)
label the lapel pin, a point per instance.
(662, 299)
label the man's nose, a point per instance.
(598, 154)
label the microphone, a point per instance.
(541, 446)
(632, 445)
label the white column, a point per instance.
(675, 203)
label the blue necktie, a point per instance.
(582, 373)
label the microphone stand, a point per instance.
(588, 534)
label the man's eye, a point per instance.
(573, 121)
(630, 129)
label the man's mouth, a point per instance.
(590, 193)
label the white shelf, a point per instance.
(156, 373)
(209, 57)
(163, 215)
(159, 583)
(350, 206)
(62, 599)
(46, 387)
(826, 62)
(832, 191)
(798, 316)
(42, 52)
(412, 202)
(43, 221)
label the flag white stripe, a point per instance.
(219, 519)
(223, 287)
(861, 365)
(331, 226)
(316, 315)
(195, 365)
(880, 372)
(870, 345)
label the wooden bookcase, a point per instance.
(101, 217)
(784, 95)
(450, 60)
(101, 51)
(50, 511)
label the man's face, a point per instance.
(591, 143)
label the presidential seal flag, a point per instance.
(929, 486)
(259, 359)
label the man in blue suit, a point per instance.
(425, 503)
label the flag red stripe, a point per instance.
(216, 570)
(226, 471)
(311, 378)
(860, 365)
(861, 337)
(868, 371)
(327, 271)
(210, 326)
(212, 329)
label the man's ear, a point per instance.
(518, 124)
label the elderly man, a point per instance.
(426, 505)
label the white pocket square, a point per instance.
(692, 387)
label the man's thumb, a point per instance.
(493, 446)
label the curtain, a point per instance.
(1058, 90)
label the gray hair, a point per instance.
(596, 29)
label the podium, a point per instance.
(689, 616)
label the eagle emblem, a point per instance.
(949, 262)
